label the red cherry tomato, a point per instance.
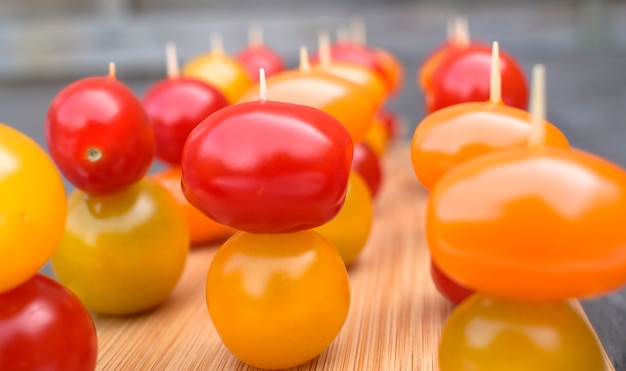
(268, 167)
(367, 164)
(45, 327)
(99, 135)
(544, 225)
(447, 287)
(465, 77)
(436, 57)
(456, 134)
(257, 56)
(490, 334)
(176, 106)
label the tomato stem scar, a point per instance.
(93, 154)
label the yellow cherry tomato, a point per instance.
(377, 136)
(349, 230)
(221, 71)
(277, 300)
(124, 252)
(490, 334)
(32, 207)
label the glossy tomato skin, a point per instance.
(99, 135)
(277, 300)
(436, 57)
(392, 68)
(202, 229)
(547, 224)
(122, 253)
(447, 287)
(268, 167)
(350, 229)
(257, 56)
(456, 134)
(32, 217)
(377, 60)
(45, 327)
(332, 94)
(464, 76)
(362, 76)
(175, 106)
(491, 334)
(221, 71)
(377, 137)
(367, 164)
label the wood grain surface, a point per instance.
(394, 323)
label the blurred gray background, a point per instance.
(44, 45)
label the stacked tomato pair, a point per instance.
(125, 241)
(43, 325)
(353, 94)
(277, 291)
(526, 223)
(278, 170)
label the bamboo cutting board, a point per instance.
(395, 319)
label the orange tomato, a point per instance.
(364, 77)
(545, 225)
(277, 300)
(392, 69)
(32, 208)
(453, 135)
(334, 95)
(377, 136)
(202, 229)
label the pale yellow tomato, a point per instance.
(32, 207)
(124, 252)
